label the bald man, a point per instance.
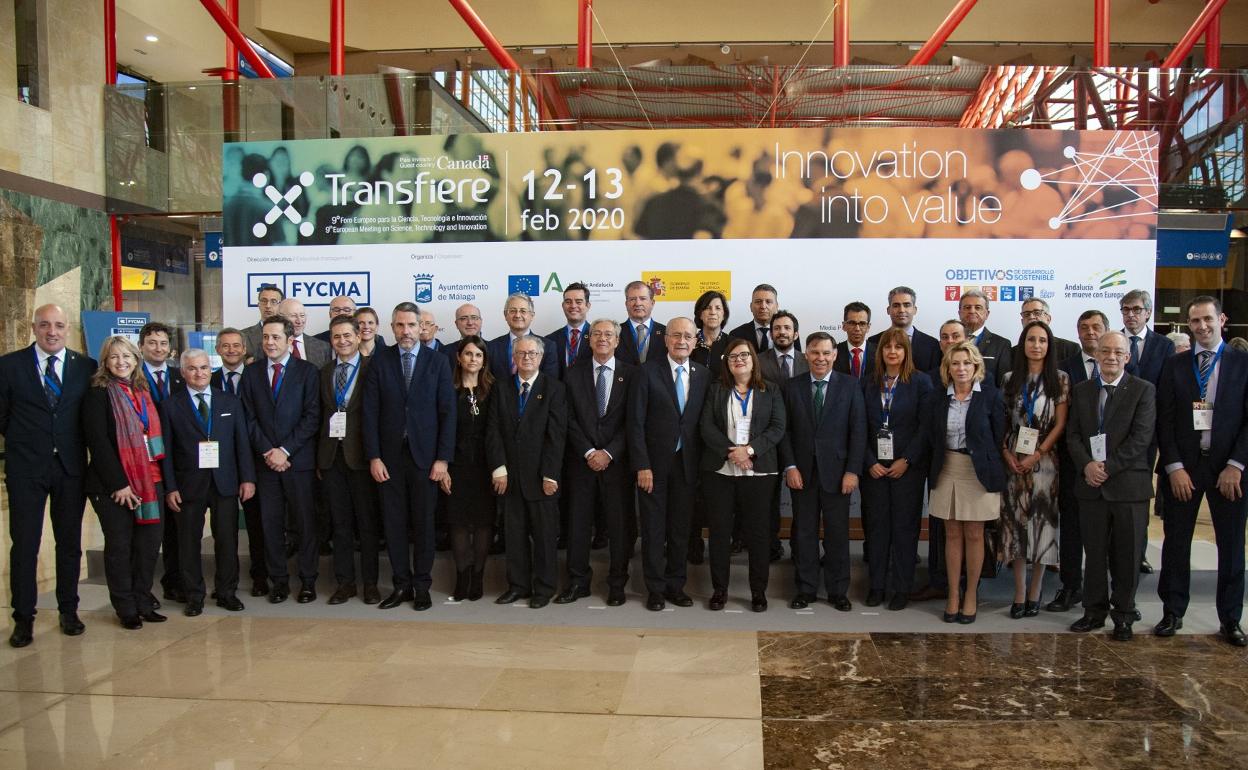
(338, 306)
(41, 388)
(304, 346)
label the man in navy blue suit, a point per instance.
(208, 466)
(467, 324)
(41, 388)
(571, 340)
(853, 356)
(155, 344)
(1202, 424)
(640, 334)
(282, 402)
(518, 312)
(409, 439)
(903, 306)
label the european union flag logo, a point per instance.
(524, 284)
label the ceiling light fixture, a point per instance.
(151, 38)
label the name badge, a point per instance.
(1028, 441)
(884, 445)
(1202, 415)
(338, 425)
(209, 454)
(1099, 452)
(743, 431)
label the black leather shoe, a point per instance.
(151, 597)
(175, 594)
(344, 592)
(421, 600)
(1233, 634)
(131, 623)
(511, 596)
(1016, 611)
(193, 609)
(875, 598)
(777, 552)
(1064, 600)
(840, 603)
(679, 598)
(371, 594)
(655, 603)
(23, 633)
(801, 602)
(1031, 609)
(476, 584)
(396, 598)
(71, 625)
(615, 597)
(231, 603)
(152, 616)
(278, 594)
(1169, 624)
(717, 602)
(758, 602)
(898, 602)
(598, 542)
(1087, 623)
(572, 594)
(538, 602)
(260, 588)
(1136, 615)
(1145, 567)
(307, 593)
(1122, 632)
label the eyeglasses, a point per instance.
(473, 318)
(1133, 309)
(1032, 314)
(527, 354)
(738, 356)
(602, 335)
(856, 324)
(517, 311)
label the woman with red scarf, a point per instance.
(123, 480)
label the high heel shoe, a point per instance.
(966, 620)
(1017, 609)
(462, 581)
(476, 585)
(1031, 609)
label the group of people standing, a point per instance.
(618, 431)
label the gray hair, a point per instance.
(1142, 295)
(518, 295)
(615, 325)
(191, 354)
(540, 342)
(973, 293)
(903, 290)
(1043, 303)
(1179, 337)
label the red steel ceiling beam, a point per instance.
(1213, 43)
(585, 34)
(337, 39)
(1100, 34)
(229, 93)
(942, 33)
(483, 34)
(840, 35)
(231, 30)
(110, 78)
(1199, 27)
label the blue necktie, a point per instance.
(524, 397)
(680, 398)
(229, 383)
(601, 387)
(52, 383)
(408, 364)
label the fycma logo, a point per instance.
(424, 287)
(283, 204)
(313, 289)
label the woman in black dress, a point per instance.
(470, 500)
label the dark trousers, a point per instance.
(223, 511)
(408, 501)
(1112, 533)
(936, 577)
(811, 506)
(532, 547)
(892, 511)
(259, 568)
(1069, 539)
(351, 504)
(279, 492)
(1176, 550)
(27, 500)
(744, 500)
(130, 551)
(590, 495)
(665, 518)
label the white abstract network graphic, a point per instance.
(282, 204)
(1128, 163)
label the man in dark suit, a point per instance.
(518, 312)
(784, 358)
(303, 346)
(41, 389)
(409, 439)
(996, 350)
(853, 356)
(1036, 309)
(764, 302)
(570, 339)
(429, 329)
(208, 466)
(640, 334)
(1109, 436)
(903, 306)
(338, 306)
(1079, 368)
(268, 298)
(280, 398)
(342, 464)
(597, 462)
(664, 448)
(467, 324)
(1202, 424)
(525, 439)
(822, 454)
(232, 348)
(155, 345)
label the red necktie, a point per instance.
(856, 365)
(277, 377)
(295, 349)
(572, 345)
(160, 384)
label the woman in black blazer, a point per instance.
(123, 481)
(742, 423)
(966, 428)
(892, 488)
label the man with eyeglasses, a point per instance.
(518, 312)
(1036, 309)
(467, 324)
(428, 333)
(338, 306)
(268, 297)
(853, 356)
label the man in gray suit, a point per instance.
(268, 298)
(1110, 437)
(302, 345)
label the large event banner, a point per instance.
(827, 216)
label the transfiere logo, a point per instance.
(283, 204)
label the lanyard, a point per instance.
(340, 396)
(195, 406)
(46, 379)
(1203, 382)
(888, 396)
(1031, 393)
(139, 404)
(744, 402)
(151, 380)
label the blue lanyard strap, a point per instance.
(1203, 382)
(1031, 393)
(195, 405)
(340, 396)
(888, 390)
(744, 402)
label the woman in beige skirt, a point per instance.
(966, 427)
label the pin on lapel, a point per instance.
(539, 396)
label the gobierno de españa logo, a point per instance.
(283, 204)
